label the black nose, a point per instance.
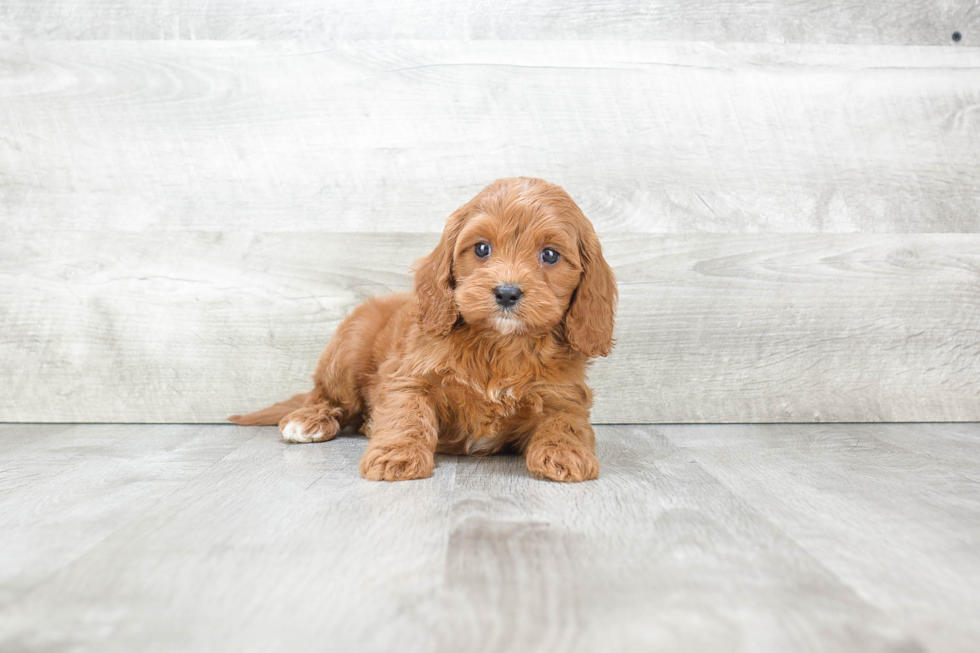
(507, 295)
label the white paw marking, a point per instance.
(293, 432)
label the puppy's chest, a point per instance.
(500, 396)
(485, 413)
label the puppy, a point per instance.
(488, 352)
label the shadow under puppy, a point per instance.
(489, 351)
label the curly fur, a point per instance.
(446, 369)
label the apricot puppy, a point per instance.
(488, 352)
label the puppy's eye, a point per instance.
(482, 250)
(550, 256)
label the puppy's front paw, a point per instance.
(568, 463)
(399, 461)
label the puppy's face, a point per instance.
(519, 259)
(516, 267)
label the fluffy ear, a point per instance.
(590, 320)
(434, 281)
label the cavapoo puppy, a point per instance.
(489, 350)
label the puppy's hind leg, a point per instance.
(337, 399)
(334, 403)
(320, 420)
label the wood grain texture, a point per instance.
(195, 326)
(795, 21)
(695, 539)
(844, 495)
(392, 136)
(955, 450)
(63, 489)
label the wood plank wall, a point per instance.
(192, 195)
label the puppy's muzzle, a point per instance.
(507, 295)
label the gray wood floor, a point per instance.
(695, 538)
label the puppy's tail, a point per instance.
(270, 416)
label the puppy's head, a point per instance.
(520, 258)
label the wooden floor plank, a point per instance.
(65, 490)
(656, 555)
(656, 137)
(170, 327)
(284, 547)
(900, 528)
(275, 547)
(15, 436)
(790, 21)
(955, 447)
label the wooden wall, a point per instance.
(192, 194)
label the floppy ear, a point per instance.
(591, 316)
(434, 281)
